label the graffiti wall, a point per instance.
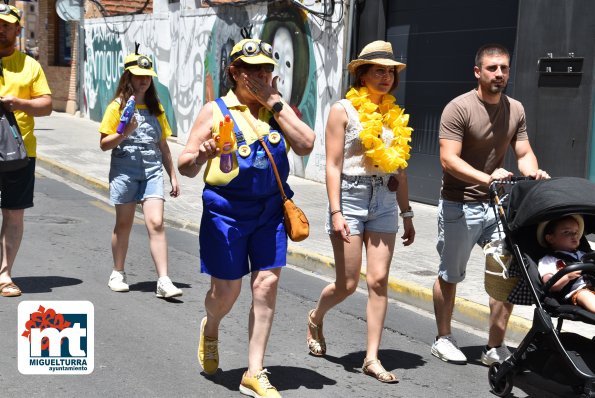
(190, 51)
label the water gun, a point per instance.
(225, 142)
(126, 114)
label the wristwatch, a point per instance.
(277, 107)
(407, 213)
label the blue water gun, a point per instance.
(126, 114)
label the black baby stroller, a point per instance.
(567, 358)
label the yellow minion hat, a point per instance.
(138, 64)
(10, 13)
(252, 51)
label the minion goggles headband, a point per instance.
(142, 62)
(6, 10)
(253, 48)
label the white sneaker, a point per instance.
(446, 348)
(166, 289)
(497, 354)
(117, 281)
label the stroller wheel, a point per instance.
(503, 387)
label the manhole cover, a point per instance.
(44, 219)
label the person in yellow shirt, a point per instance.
(139, 154)
(241, 230)
(23, 90)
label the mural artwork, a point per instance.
(191, 60)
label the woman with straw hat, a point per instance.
(367, 148)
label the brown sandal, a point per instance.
(383, 375)
(316, 344)
(9, 289)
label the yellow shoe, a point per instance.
(208, 351)
(258, 386)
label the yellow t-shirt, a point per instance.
(213, 175)
(24, 78)
(111, 119)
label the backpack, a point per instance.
(13, 154)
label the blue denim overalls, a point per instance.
(242, 222)
(136, 171)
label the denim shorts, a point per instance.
(367, 205)
(136, 174)
(460, 226)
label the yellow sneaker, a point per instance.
(258, 386)
(208, 351)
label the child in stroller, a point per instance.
(524, 207)
(561, 237)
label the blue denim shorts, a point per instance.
(460, 226)
(367, 205)
(136, 174)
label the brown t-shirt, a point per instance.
(486, 131)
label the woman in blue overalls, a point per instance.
(242, 228)
(139, 153)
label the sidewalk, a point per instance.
(69, 146)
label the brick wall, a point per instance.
(126, 6)
(61, 79)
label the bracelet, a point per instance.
(335, 212)
(407, 213)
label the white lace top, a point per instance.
(355, 162)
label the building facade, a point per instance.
(189, 41)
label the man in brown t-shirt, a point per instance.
(476, 130)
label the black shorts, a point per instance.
(16, 187)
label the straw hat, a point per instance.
(139, 65)
(543, 224)
(379, 53)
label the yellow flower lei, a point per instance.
(373, 117)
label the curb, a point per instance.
(466, 311)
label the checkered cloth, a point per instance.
(521, 293)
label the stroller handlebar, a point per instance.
(511, 181)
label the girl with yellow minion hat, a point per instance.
(139, 154)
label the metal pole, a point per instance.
(80, 59)
(347, 46)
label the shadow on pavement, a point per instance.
(43, 284)
(282, 377)
(391, 360)
(152, 286)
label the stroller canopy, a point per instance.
(533, 201)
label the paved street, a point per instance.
(145, 347)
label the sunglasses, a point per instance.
(142, 62)
(268, 68)
(5, 9)
(252, 48)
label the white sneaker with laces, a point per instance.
(117, 281)
(166, 288)
(496, 354)
(446, 348)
